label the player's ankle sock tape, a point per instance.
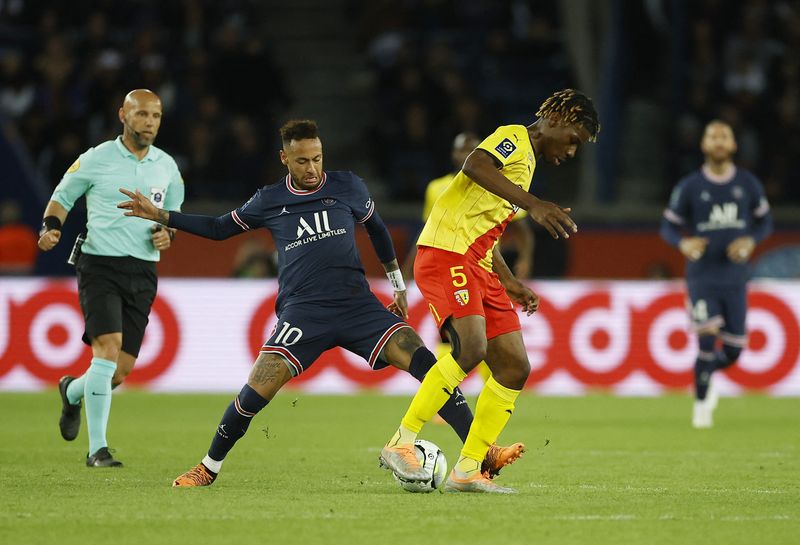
(235, 421)
(494, 408)
(97, 396)
(436, 388)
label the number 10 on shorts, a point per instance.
(288, 335)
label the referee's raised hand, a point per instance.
(140, 207)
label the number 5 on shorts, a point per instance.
(459, 278)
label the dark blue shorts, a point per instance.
(722, 307)
(305, 330)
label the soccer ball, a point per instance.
(432, 460)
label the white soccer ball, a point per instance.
(432, 460)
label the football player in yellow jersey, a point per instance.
(470, 289)
(463, 144)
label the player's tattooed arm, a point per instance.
(163, 217)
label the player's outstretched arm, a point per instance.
(481, 168)
(141, 207)
(215, 228)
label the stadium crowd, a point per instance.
(66, 66)
(443, 67)
(439, 67)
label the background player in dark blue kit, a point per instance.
(324, 299)
(715, 217)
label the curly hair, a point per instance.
(298, 129)
(572, 107)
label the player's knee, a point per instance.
(107, 347)
(706, 342)
(513, 376)
(731, 355)
(467, 350)
(473, 351)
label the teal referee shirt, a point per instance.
(99, 173)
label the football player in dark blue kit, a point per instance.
(324, 299)
(715, 217)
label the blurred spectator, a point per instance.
(17, 242)
(254, 260)
(66, 66)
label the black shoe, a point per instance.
(70, 421)
(102, 458)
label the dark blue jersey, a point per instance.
(721, 211)
(314, 233)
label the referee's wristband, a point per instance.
(396, 279)
(50, 223)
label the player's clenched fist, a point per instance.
(49, 239)
(693, 247)
(740, 249)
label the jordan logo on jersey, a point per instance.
(722, 216)
(462, 297)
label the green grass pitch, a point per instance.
(599, 470)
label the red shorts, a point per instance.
(455, 285)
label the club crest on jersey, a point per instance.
(462, 297)
(328, 201)
(737, 192)
(505, 148)
(157, 196)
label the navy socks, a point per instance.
(235, 422)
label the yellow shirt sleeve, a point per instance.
(507, 144)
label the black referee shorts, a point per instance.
(116, 294)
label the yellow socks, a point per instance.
(434, 391)
(403, 436)
(494, 408)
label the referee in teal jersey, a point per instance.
(116, 268)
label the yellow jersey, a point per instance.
(467, 217)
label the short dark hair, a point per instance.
(299, 129)
(572, 107)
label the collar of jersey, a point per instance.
(151, 153)
(296, 191)
(717, 179)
